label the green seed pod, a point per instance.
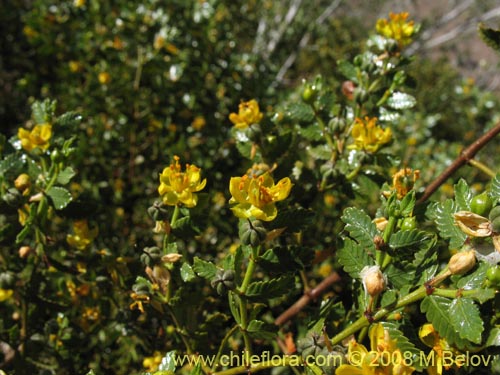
(494, 213)
(311, 345)
(158, 212)
(331, 360)
(481, 204)
(252, 232)
(495, 225)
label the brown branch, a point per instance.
(463, 159)
(308, 296)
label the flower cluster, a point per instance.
(255, 196)
(248, 114)
(397, 28)
(364, 362)
(38, 137)
(177, 187)
(368, 136)
(430, 337)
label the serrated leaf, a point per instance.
(446, 225)
(399, 277)
(321, 152)
(10, 164)
(270, 289)
(463, 195)
(400, 100)
(185, 228)
(347, 70)
(293, 219)
(389, 298)
(402, 342)
(204, 269)
(312, 132)
(495, 187)
(258, 329)
(70, 119)
(60, 197)
(43, 112)
(65, 175)
(474, 280)
(437, 311)
(353, 258)
(286, 259)
(187, 273)
(466, 319)
(360, 227)
(407, 204)
(168, 362)
(493, 337)
(490, 36)
(416, 239)
(388, 116)
(300, 112)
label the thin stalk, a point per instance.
(482, 167)
(222, 345)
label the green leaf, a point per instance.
(360, 227)
(185, 228)
(60, 197)
(389, 298)
(402, 342)
(437, 311)
(293, 219)
(446, 224)
(234, 306)
(353, 258)
(400, 100)
(399, 277)
(204, 269)
(312, 132)
(69, 119)
(495, 188)
(414, 238)
(168, 362)
(10, 164)
(258, 329)
(300, 112)
(463, 195)
(187, 273)
(407, 204)
(270, 289)
(490, 36)
(43, 112)
(348, 70)
(483, 295)
(65, 175)
(286, 259)
(474, 280)
(493, 337)
(466, 319)
(321, 152)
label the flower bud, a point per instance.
(462, 262)
(373, 280)
(22, 182)
(24, 251)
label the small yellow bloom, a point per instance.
(198, 123)
(139, 299)
(430, 337)
(256, 196)
(404, 180)
(248, 114)
(78, 3)
(23, 183)
(82, 236)
(374, 362)
(368, 136)
(397, 28)
(151, 364)
(104, 78)
(38, 137)
(178, 187)
(5, 294)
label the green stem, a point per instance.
(384, 259)
(482, 167)
(222, 345)
(167, 237)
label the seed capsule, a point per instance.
(462, 262)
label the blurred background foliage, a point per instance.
(155, 78)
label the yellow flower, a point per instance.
(368, 136)
(384, 358)
(82, 236)
(151, 364)
(256, 195)
(178, 187)
(402, 183)
(5, 294)
(104, 78)
(38, 137)
(198, 123)
(397, 28)
(248, 114)
(430, 337)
